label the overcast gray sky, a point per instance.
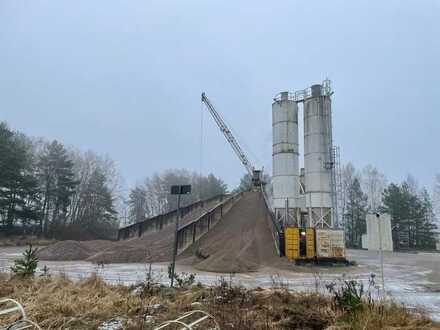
(125, 77)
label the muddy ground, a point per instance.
(410, 278)
(241, 244)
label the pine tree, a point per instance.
(412, 216)
(57, 185)
(18, 187)
(355, 214)
(427, 227)
(28, 264)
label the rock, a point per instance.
(115, 324)
(157, 308)
(149, 319)
(136, 291)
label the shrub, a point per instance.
(351, 295)
(348, 296)
(183, 279)
(27, 265)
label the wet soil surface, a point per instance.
(410, 278)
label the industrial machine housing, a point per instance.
(304, 200)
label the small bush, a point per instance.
(183, 279)
(350, 295)
(28, 264)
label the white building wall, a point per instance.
(364, 238)
(373, 232)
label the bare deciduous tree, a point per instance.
(373, 185)
(153, 196)
(348, 174)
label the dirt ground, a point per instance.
(410, 278)
(241, 244)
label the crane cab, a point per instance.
(257, 178)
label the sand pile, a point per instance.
(241, 242)
(66, 250)
(151, 247)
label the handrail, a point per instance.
(191, 232)
(304, 94)
(17, 308)
(23, 322)
(189, 326)
(277, 231)
(204, 214)
(160, 220)
(174, 210)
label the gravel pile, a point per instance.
(242, 242)
(151, 247)
(66, 250)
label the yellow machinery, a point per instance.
(313, 244)
(299, 243)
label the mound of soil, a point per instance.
(240, 242)
(66, 250)
(151, 247)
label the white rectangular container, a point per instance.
(330, 243)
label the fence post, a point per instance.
(194, 232)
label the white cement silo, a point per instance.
(285, 176)
(318, 161)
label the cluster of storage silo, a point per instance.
(304, 198)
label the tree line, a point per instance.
(54, 191)
(411, 207)
(152, 196)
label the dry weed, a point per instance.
(59, 303)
